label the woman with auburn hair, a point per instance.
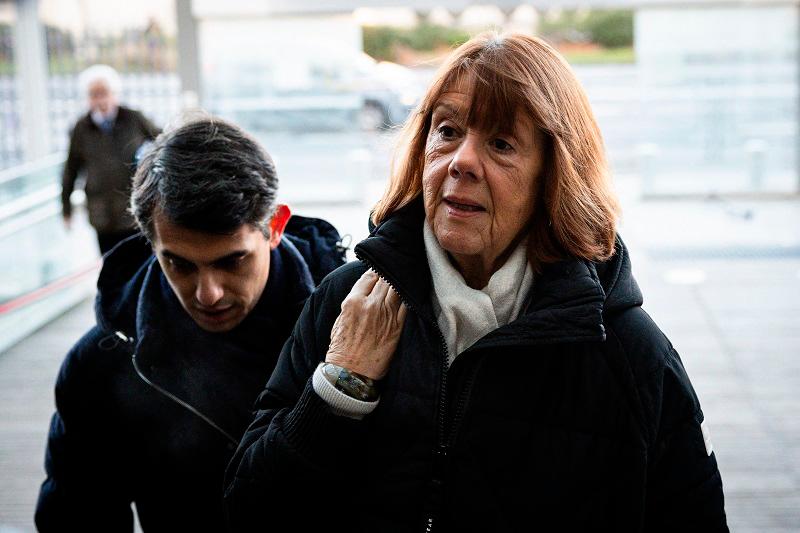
(486, 364)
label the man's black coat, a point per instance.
(150, 407)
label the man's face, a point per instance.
(101, 98)
(217, 278)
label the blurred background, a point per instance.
(698, 103)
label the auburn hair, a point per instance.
(576, 210)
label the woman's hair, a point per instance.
(575, 209)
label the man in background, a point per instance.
(103, 145)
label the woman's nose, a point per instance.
(209, 289)
(466, 160)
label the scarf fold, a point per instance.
(465, 314)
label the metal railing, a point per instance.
(46, 267)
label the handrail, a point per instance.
(30, 201)
(48, 289)
(29, 218)
(16, 172)
(42, 196)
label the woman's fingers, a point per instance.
(380, 290)
(365, 284)
(361, 290)
(392, 298)
(365, 335)
(401, 313)
(385, 297)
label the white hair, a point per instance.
(102, 73)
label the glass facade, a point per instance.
(718, 106)
(10, 140)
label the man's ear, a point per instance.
(277, 224)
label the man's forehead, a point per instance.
(200, 246)
(99, 84)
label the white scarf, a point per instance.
(465, 314)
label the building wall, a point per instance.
(719, 96)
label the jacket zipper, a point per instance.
(443, 443)
(130, 341)
(442, 448)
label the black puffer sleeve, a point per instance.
(295, 447)
(85, 487)
(684, 489)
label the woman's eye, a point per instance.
(446, 132)
(501, 145)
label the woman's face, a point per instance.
(478, 186)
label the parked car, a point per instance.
(389, 92)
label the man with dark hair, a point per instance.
(153, 400)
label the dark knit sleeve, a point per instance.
(295, 444)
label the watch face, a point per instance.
(349, 383)
(331, 372)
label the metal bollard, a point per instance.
(756, 150)
(646, 156)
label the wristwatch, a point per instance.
(354, 385)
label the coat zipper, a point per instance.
(443, 443)
(130, 341)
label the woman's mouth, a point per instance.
(461, 206)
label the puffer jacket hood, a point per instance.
(616, 277)
(120, 283)
(568, 301)
(311, 246)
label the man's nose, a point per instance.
(209, 289)
(466, 160)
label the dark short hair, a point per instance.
(206, 175)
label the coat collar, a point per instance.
(121, 116)
(566, 304)
(135, 298)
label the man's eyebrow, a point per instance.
(171, 255)
(233, 255)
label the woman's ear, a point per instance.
(277, 224)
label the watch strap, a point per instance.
(351, 383)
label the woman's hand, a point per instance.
(365, 334)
